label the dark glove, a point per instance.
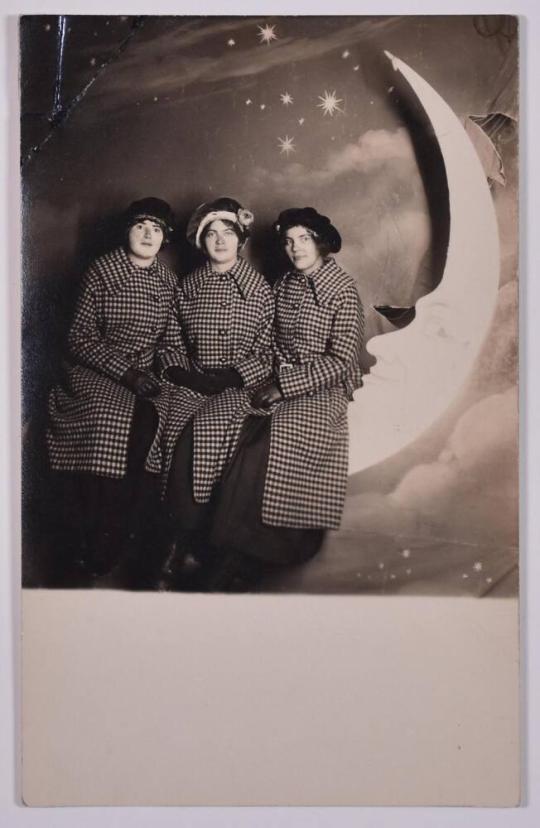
(207, 384)
(187, 379)
(225, 378)
(141, 383)
(267, 395)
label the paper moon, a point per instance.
(420, 369)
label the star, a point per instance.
(477, 566)
(390, 89)
(231, 42)
(356, 68)
(489, 580)
(47, 27)
(329, 102)
(93, 62)
(286, 99)
(301, 121)
(408, 571)
(345, 54)
(267, 34)
(249, 102)
(286, 145)
(156, 98)
(392, 576)
(406, 553)
(381, 565)
(263, 106)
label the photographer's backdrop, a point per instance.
(281, 112)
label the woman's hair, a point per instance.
(323, 245)
(127, 228)
(320, 227)
(231, 224)
(151, 209)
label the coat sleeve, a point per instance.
(257, 366)
(86, 342)
(171, 349)
(342, 353)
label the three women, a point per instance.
(252, 438)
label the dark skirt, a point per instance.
(101, 519)
(231, 521)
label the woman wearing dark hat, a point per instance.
(225, 309)
(278, 518)
(102, 419)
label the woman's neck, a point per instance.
(139, 262)
(222, 267)
(312, 271)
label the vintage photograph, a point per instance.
(270, 304)
(269, 292)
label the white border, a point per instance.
(529, 814)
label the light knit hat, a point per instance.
(226, 209)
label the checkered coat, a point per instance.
(317, 338)
(226, 322)
(124, 319)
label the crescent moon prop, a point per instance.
(420, 369)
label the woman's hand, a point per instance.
(267, 395)
(141, 383)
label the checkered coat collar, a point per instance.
(326, 283)
(115, 268)
(246, 278)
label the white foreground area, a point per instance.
(148, 699)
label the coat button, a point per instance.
(223, 331)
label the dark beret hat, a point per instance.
(308, 217)
(151, 208)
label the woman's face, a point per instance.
(144, 240)
(221, 244)
(302, 250)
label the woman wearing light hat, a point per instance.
(287, 480)
(225, 309)
(103, 417)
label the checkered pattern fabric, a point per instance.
(124, 319)
(317, 339)
(318, 331)
(226, 321)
